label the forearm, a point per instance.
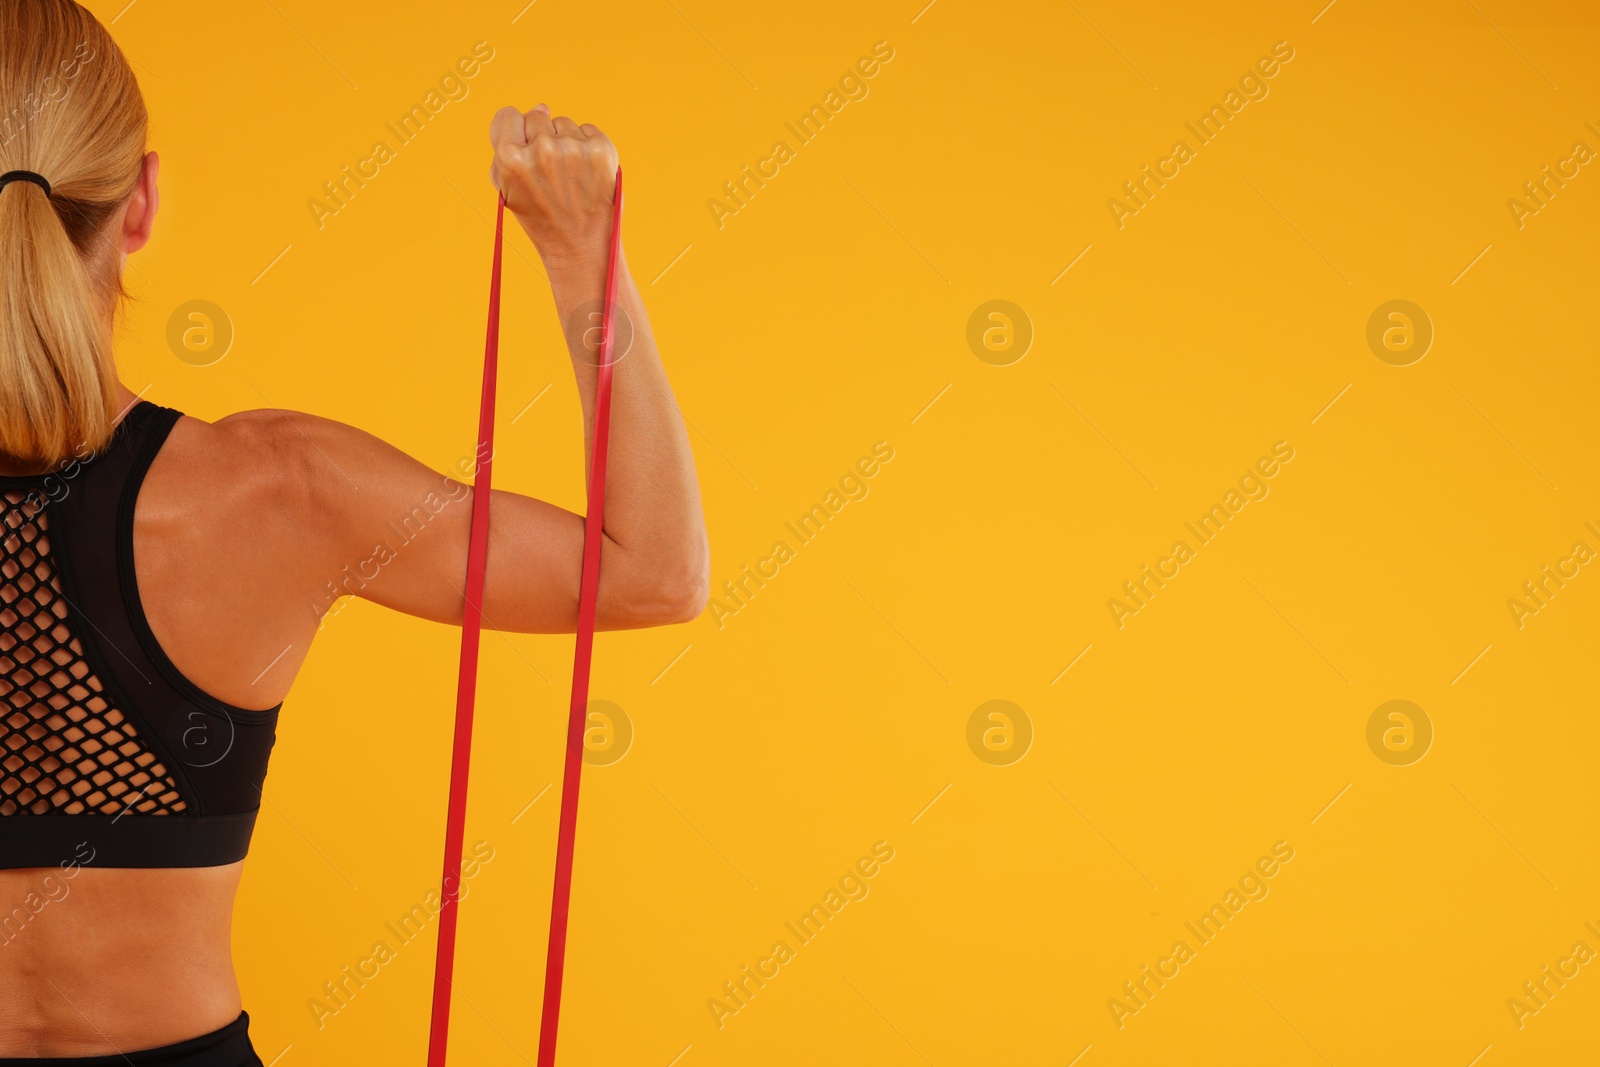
(653, 507)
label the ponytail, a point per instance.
(72, 114)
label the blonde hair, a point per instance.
(70, 111)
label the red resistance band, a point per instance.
(467, 678)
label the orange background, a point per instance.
(769, 754)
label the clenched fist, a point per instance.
(558, 179)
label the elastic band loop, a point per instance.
(24, 176)
(467, 675)
(588, 598)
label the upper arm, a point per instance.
(383, 526)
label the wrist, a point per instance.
(575, 266)
(581, 272)
(571, 256)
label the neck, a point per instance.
(126, 398)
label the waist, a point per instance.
(228, 1046)
(145, 953)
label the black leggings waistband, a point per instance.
(227, 1047)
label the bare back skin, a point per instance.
(242, 523)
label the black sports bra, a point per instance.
(108, 754)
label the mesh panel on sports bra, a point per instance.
(64, 747)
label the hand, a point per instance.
(558, 179)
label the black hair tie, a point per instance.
(24, 176)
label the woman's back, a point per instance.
(208, 554)
(128, 722)
(160, 586)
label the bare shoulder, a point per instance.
(268, 465)
(314, 442)
(296, 432)
(292, 453)
(264, 454)
(280, 502)
(302, 465)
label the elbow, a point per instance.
(689, 590)
(688, 601)
(673, 590)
